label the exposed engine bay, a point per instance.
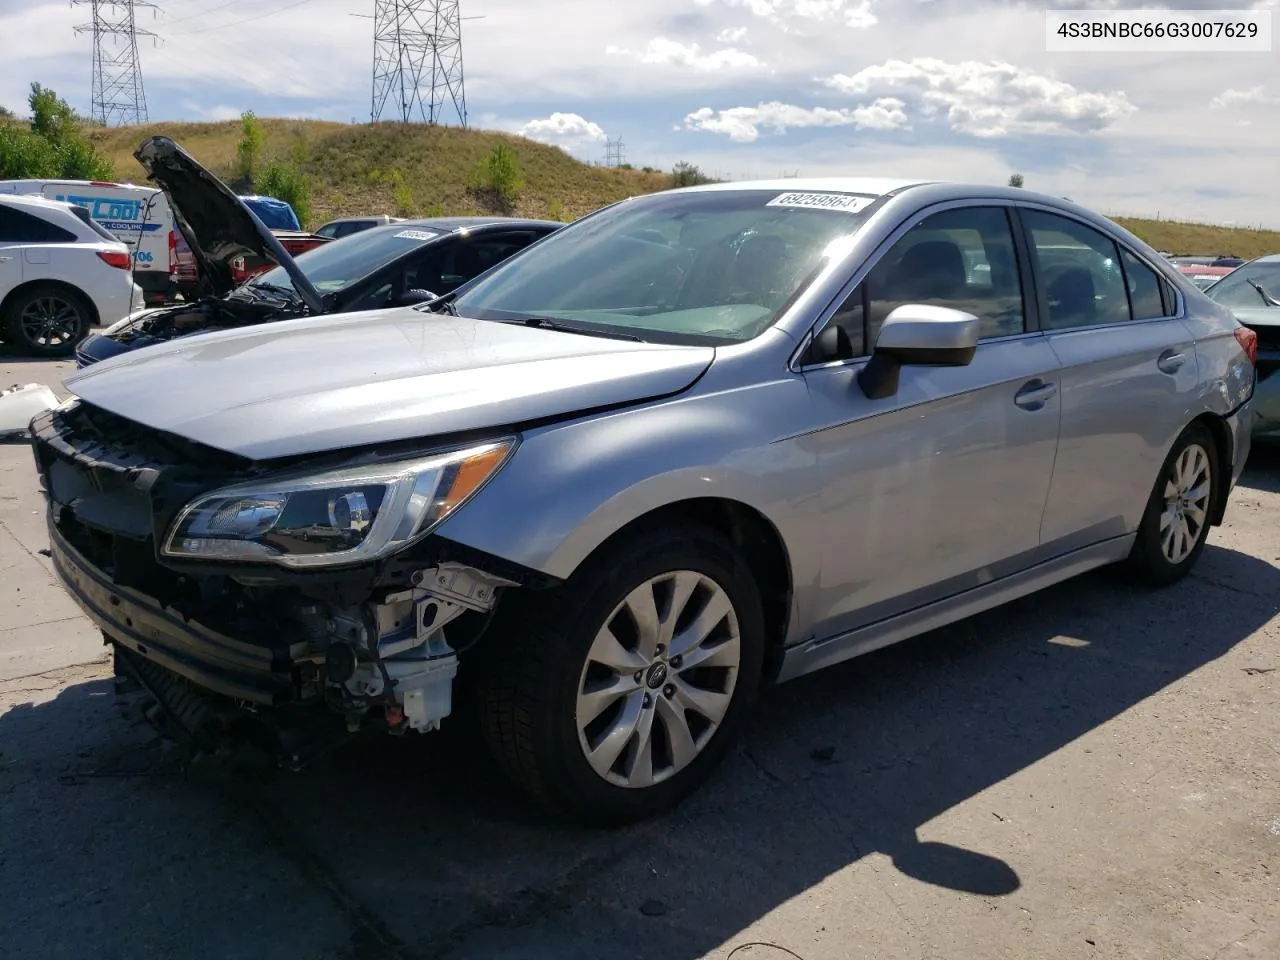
(205, 316)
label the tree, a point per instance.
(249, 148)
(1015, 180)
(54, 145)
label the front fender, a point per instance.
(571, 486)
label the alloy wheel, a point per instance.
(49, 321)
(1186, 503)
(659, 679)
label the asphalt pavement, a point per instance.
(1091, 772)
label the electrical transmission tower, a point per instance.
(118, 95)
(614, 153)
(417, 60)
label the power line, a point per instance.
(236, 23)
(118, 94)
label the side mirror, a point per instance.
(918, 334)
(410, 297)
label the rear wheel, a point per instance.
(47, 321)
(1176, 523)
(617, 694)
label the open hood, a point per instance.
(357, 379)
(216, 224)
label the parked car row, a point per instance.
(642, 467)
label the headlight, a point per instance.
(326, 519)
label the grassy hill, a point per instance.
(390, 168)
(420, 171)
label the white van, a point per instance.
(139, 216)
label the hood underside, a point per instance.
(352, 380)
(216, 224)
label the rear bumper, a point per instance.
(148, 629)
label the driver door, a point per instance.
(941, 487)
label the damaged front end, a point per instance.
(229, 638)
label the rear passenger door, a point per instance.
(941, 487)
(1128, 376)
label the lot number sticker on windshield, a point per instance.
(416, 234)
(844, 202)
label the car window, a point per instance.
(19, 226)
(1145, 299)
(328, 230)
(450, 266)
(332, 267)
(1236, 290)
(1081, 272)
(963, 259)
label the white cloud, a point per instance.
(742, 124)
(732, 35)
(666, 52)
(852, 13)
(1231, 97)
(565, 130)
(990, 99)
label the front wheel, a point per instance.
(1175, 525)
(615, 695)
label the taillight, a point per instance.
(173, 254)
(1248, 341)
(114, 258)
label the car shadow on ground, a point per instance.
(428, 853)
(1262, 472)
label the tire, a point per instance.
(47, 321)
(1160, 556)
(528, 692)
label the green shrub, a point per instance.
(401, 195)
(435, 210)
(501, 173)
(249, 149)
(287, 182)
(687, 175)
(555, 211)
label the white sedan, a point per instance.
(60, 274)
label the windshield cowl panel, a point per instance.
(699, 267)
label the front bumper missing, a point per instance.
(144, 626)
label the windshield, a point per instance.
(1234, 290)
(340, 263)
(716, 266)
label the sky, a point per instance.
(938, 89)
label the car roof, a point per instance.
(454, 224)
(29, 200)
(872, 186)
(1268, 258)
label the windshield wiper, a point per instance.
(546, 323)
(1266, 297)
(289, 292)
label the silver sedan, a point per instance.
(690, 445)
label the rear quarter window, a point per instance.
(19, 226)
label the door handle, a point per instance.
(1171, 361)
(5, 259)
(1034, 395)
